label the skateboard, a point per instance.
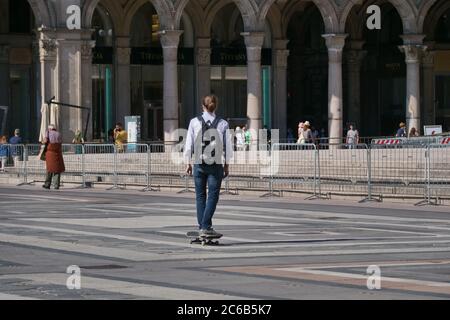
(195, 238)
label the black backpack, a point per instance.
(203, 158)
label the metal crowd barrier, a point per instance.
(73, 155)
(320, 171)
(101, 164)
(167, 167)
(133, 165)
(437, 173)
(294, 167)
(248, 170)
(34, 167)
(398, 170)
(343, 168)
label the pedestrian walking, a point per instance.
(352, 137)
(301, 138)
(16, 149)
(4, 153)
(307, 133)
(413, 133)
(120, 137)
(247, 137)
(240, 139)
(401, 132)
(53, 158)
(211, 161)
(78, 140)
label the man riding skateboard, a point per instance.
(209, 141)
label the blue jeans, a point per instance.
(211, 176)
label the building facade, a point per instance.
(271, 62)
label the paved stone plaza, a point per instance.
(132, 245)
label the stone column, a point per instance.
(4, 75)
(413, 50)
(48, 64)
(74, 52)
(428, 89)
(254, 42)
(355, 57)
(169, 42)
(123, 79)
(203, 70)
(280, 86)
(335, 44)
(86, 84)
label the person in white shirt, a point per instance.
(240, 139)
(352, 137)
(209, 140)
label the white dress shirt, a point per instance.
(195, 129)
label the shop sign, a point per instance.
(155, 56)
(237, 57)
(102, 55)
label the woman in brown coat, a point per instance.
(53, 158)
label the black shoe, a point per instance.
(46, 187)
(210, 233)
(56, 188)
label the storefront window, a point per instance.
(443, 101)
(19, 72)
(307, 72)
(383, 77)
(102, 76)
(22, 18)
(443, 28)
(102, 115)
(229, 68)
(21, 112)
(147, 73)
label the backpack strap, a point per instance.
(216, 122)
(214, 125)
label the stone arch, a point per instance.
(197, 16)
(273, 16)
(326, 8)
(248, 10)
(111, 6)
(188, 30)
(44, 16)
(431, 17)
(163, 8)
(405, 9)
(424, 11)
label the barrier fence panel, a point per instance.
(370, 197)
(294, 168)
(343, 169)
(439, 172)
(73, 162)
(11, 160)
(34, 168)
(168, 168)
(249, 170)
(397, 170)
(133, 165)
(100, 164)
(386, 169)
